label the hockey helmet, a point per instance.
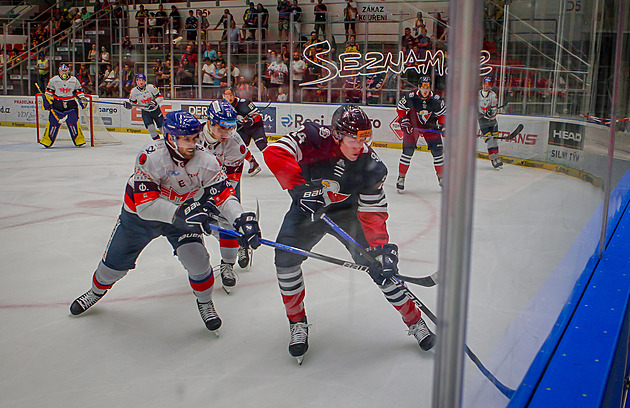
(221, 112)
(64, 71)
(141, 77)
(350, 120)
(424, 81)
(181, 123)
(487, 79)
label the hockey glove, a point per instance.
(405, 124)
(247, 121)
(127, 105)
(152, 105)
(490, 113)
(387, 263)
(193, 215)
(247, 225)
(310, 198)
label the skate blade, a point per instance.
(399, 191)
(300, 359)
(253, 173)
(226, 289)
(216, 332)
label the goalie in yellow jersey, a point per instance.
(62, 94)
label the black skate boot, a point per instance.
(243, 257)
(209, 316)
(497, 164)
(400, 184)
(299, 339)
(254, 168)
(426, 339)
(228, 277)
(84, 302)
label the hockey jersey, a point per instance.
(231, 154)
(488, 102)
(63, 91)
(246, 109)
(311, 153)
(424, 113)
(142, 97)
(160, 184)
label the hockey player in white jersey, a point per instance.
(176, 183)
(488, 124)
(62, 94)
(148, 98)
(220, 138)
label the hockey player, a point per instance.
(148, 98)
(488, 125)
(250, 126)
(174, 185)
(62, 94)
(219, 137)
(421, 113)
(333, 169)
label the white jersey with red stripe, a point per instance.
(63, 91)
(488, 102)
(160, 184)
(142, 97)
(231, 154)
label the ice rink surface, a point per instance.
(144, 344)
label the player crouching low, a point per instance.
(148, 98)
(59, 99)
(220, 138)
(175, 186)
(333, 169)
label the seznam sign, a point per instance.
(370, 63)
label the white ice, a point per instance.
(144, 344)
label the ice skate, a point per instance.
(497, 164)
(299, 339)
(84, 302)
(426, 339)
(209, 316)
(244, 257)
(400, 184)
(254, 168)
(440, 182)
(228, 277)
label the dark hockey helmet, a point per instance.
(141, 77)
(350, 120)
(424, 81)
(221, 112)
(181, 123)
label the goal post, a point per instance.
(94, 130)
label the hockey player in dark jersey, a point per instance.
(174, 186)
(488, 124)
(333, 169)
(250, 126)
(60, 98)
(421, 113)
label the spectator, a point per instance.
(161, 23)
(250, 20)
(419, 24)
(349, 18)
(234, 37)
(85, 14)
(93, 61)
(245, 90)
(320, 17)
(203, 21)
(83, 75)
(235, 75)
(176, 18)
(210, 52)
(152, 30)
(440, 29)
(43, 70)
(162, 74)
(278, 73)
(220, 76)
(263, 15)
(351, 45)
(296, 11)
(141, 17)
(111, 80)
(127, 80)
(190, 56)
(374, 83)
(126, 45)
(191, 25)
(282, 96)
(352, 88)
(117, 17)
(186, 77)
(298, 67)
(207, 70)
(104, 56)
(407, 38)
(285, 54)
(284, 11)
(225, 20)
(97, 7)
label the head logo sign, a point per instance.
(352, 64)
(567, 135)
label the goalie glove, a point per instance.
(386, 264)
(247, 225)
(127, 105)
(83, 102)
(46, 103)
(405, 124)
(310, 198)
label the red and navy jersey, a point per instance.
(311, 153)
(424, 113)
(246, 108)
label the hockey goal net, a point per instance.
(94, 130)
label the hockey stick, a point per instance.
(512, 135)
(302, 252)
(120, 103)
(505, 390)
(52, 110)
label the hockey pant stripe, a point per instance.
(203, 284)
(104, 277)
(405, 306)
(291, 284)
